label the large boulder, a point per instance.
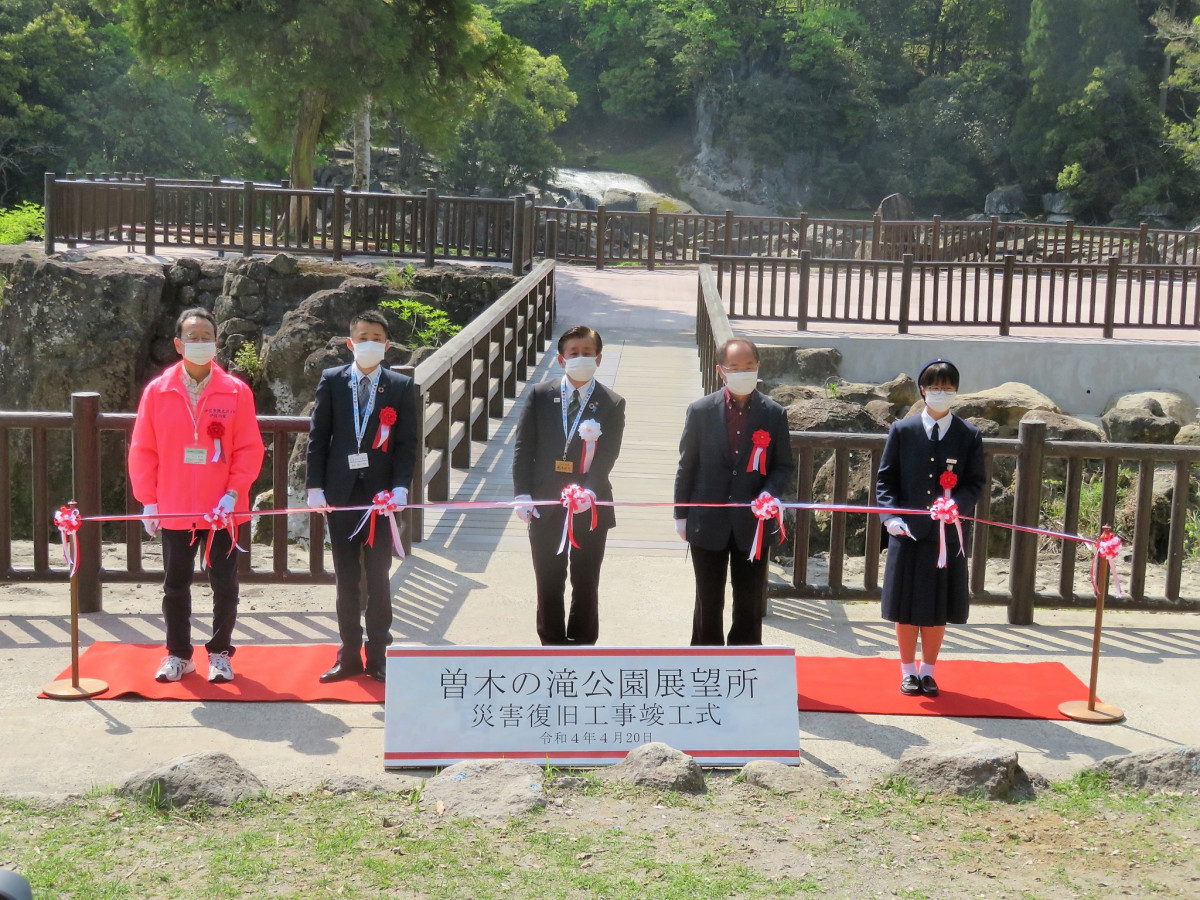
(1006, 404)
(974, 768)
(1162, 494)
(780, 779)
(807, 365)
(661, 767)
(1165, 769)
(1139, 426)
(1061, 428)
(1171, 404)
(827, 414)
(486, 789)
(1006, 201)
(207, 777)
(1189, 435)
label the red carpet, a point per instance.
(1005, 690)
(835, 684)
(286, 672)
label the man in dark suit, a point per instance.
(735, 448)
(362, 441)
(569, 433)
(928, 455)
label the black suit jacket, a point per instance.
(912, 464)
(331, 436)
(540, 444)
(707, 472)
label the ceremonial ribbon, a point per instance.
(761, 439)
(573, 497)
(381, 505)
(67, 519)
(1107, 547)
(945, 510)
(216, 431)
(219, 520)
(589, 433)
(387, 418)
(765, 508)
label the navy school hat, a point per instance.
(934, 362)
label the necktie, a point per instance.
(934, 436)
(364, 391)
(573, 408)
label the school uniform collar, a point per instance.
(943, 424)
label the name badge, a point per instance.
(357, 460)
(195, 456)
(564, 465)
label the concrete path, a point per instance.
(470, 582)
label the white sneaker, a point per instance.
(173, 668)
(220, 669)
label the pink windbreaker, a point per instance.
(165, 428)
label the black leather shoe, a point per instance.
(928, 686)
(910, 685)
(378, 671)
(340, 672)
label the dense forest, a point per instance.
(815, 104)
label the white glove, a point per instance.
(897, 527)
(585, 502)
(225, 504)
(400, 496)
(681, 528)
(316, 498)
(150, 518)
(525, 509)
(765, 496)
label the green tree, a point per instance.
(301, 67)
(506, 143)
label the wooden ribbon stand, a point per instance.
(1092, 710)
(77, 688)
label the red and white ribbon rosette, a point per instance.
(216, 431)
(68, 519)
(945, 510)
(765, 507)
(575, 499)
(589, 433)
(219, 520)
(387, 418)
(1107, 547)
(382, 504)
(761, 440)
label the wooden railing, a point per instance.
(248, 218)
(1034, 456)
(459, 388)
(651, 238)
(998, 295)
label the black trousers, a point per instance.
(179, 565)
(749, 580)
(550, 572)
(350, 556)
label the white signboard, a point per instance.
(589, 705)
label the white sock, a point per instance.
(908, 668)
(927, 669)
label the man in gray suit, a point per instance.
(735, 448)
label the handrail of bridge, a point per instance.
(459, 387)
(1001, 295)
(656, 237)
(249, 217)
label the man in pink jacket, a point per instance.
(196, 448)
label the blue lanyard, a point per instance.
(566, 392)
(360, 420)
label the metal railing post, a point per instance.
(85, 478)
(1026, 509)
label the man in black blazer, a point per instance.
(735, 448)
(559, 420)
(362, 440)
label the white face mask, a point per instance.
(580, 368)
(741, 384)
(199, 353)
(368, 354)
(940, 401)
